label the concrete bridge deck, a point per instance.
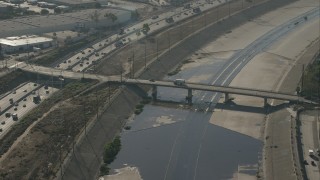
(189, 86)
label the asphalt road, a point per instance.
(23, 98)
(133, 33)
(185, 159)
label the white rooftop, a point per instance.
(24, 40)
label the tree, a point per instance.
(57, 10)
(112, 16)
(145, 28)
(135, 15)
(44, 12)
(95, 16)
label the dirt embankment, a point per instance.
(39, 154)
(86, 161)
(60, 120)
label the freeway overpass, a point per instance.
(188, 86)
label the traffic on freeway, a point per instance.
(83, 59)
(20, 101)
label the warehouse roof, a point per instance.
(24, 40)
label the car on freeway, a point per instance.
(155, 17)
(8, 115)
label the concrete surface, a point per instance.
(126, 173)
(310, 141)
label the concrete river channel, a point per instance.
(181, 143)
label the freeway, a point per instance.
(80, 61)
(16, 95)
(187, 148)
(23, 103)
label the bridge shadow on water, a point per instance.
(232, 106)
(252, 109)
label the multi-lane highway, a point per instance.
(81, 61)
(22, 103)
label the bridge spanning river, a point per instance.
(188, 86)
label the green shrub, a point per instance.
(112, 150)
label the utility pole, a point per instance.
(27, 49)
(51, 79)
(180, 29)
(192, 24)
(169, 41)
(97, 104)
(109, 93)
(120, 73)
(84, 118)
(229, 7)
(61, 173)
(302, 78)
(132, 64)
(217, 13)
(157, 51)
(318, 111)
(205, 19)
(145, 55)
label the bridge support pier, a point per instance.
(154, 93)
(265, 102)
(226, 97)
(189, 97)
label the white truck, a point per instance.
(179, 82)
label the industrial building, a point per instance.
(24, 43)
